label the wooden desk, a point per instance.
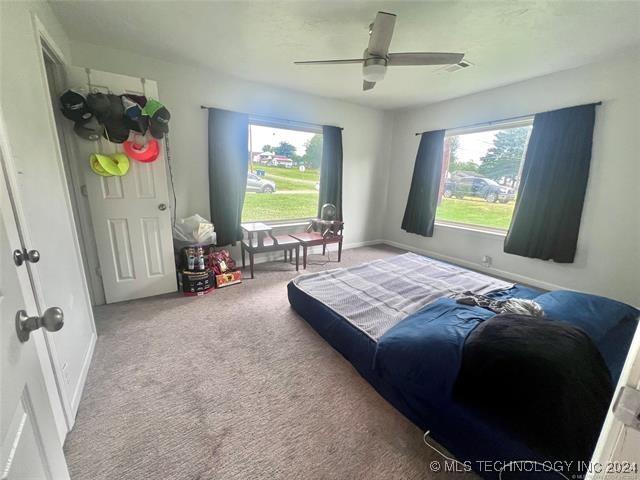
(261, 240)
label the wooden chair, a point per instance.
(320, 232)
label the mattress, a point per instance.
(469, 436)
(377, 295)
(466, 434)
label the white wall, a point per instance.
(41, 190)
(608, 255)
(183, 89)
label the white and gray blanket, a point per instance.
(377, 295)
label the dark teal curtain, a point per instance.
(420, 213)
(331, 169)
(546, 219)
(228, 165)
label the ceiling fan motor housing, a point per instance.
(374, 69)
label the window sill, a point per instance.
(473, 229)
(303, 222)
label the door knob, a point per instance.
(21, 256)
(52, 320)
(33, 256)
(162, 207)
(18, 257)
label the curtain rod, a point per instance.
(276, 119)
(504, 119)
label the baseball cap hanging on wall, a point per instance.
(90, 130)
(100, 105)
(159, 118)
(74, 106)
(109, 111)
(139, 99)
(134, 118)
(116, 129)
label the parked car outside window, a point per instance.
(259, 185)
(486, 188)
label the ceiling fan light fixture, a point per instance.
(374, 69)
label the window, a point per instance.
(283, 182)
(481, 173)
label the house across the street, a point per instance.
(272, 160)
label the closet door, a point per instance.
(130, 214)
(30, 446)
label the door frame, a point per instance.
(75, 184)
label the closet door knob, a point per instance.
(21, 256)
(33, 256)
(162, 207)
(18, 257)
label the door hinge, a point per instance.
(83, 191)
(99, 272)
(626, 408)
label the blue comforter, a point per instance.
(423, 353)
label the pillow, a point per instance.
(593, 314)
(541, 379)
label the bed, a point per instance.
(397, 322)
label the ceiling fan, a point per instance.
(376, 57)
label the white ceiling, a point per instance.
(507, 41)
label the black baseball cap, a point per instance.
(109, 111)
(100, 105)
(116, 130)
(89, 130)
(74, 106)
(140, 125)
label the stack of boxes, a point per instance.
(202, 268)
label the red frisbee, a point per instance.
(147, 152)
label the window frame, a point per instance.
(264, 121)
(525, 121)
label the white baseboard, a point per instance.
(510, 276)
(366, 243)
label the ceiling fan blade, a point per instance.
(381, 33)
(424, 58)
(329, 62)
(367, 85)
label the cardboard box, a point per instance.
(228, 278)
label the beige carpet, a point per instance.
(234, 385)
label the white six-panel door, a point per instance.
(31, 448)
(130, 214)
